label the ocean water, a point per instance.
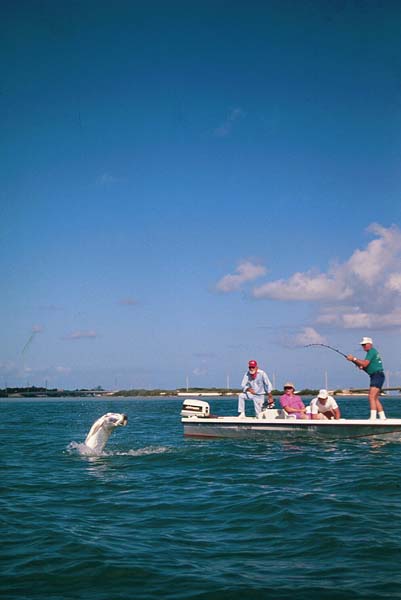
(160, 516)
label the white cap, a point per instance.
(366, 340)
(323, 394)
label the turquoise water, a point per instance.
(161, 516)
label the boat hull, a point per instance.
(250, 427)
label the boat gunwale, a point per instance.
(291, 423)
(234, 427)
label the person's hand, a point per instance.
(350, 357)
(250, 390)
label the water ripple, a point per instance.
(156, 515)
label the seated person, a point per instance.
(324, 407)
(291, 403)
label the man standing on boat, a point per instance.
(255, 384)
(373, 365)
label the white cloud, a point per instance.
(366, 320)
(303, 286)
(370, 282)
(63, 370)
(79, 335)
(308, 335)
(380, 256)
(21, 372)
(246, 271)
(200, 371)
(393, 283)
(226, 127)
(107, 179)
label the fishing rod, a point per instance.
(326, 346)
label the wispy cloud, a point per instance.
(62, 370)
(246, 271)
(129, 301)
(200, 370)
(18, 371)
(308, 335)
(303, 286)
(204, 355)
(369, 281)
(107, 179)
(225, 128)
(80, 335)
(299, 337)
(51, 307)
(8, 368)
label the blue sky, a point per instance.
(188, 185)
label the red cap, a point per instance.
(252, 363)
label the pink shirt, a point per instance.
(292, 402)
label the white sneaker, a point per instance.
(241, 415)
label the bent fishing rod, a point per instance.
(326, 346)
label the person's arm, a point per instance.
(245, 383)
(332, 413)
(359, 362)
(314, 411)
(268, 388)
(291, 409)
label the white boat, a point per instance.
(276, 424)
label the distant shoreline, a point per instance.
(77, 395)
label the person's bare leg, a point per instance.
(372, 402)
(376, 407)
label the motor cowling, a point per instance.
(195, 408)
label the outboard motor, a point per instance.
(195, 408)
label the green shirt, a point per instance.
(375, 361)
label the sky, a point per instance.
(189, 185)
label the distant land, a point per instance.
(42, 392)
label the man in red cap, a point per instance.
(255, 384)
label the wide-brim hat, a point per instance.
(323, 394)
(366, 340)
(289, 385)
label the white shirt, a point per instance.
(261, 384)
(316, 406)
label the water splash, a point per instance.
(83, 450)
(145, 451)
